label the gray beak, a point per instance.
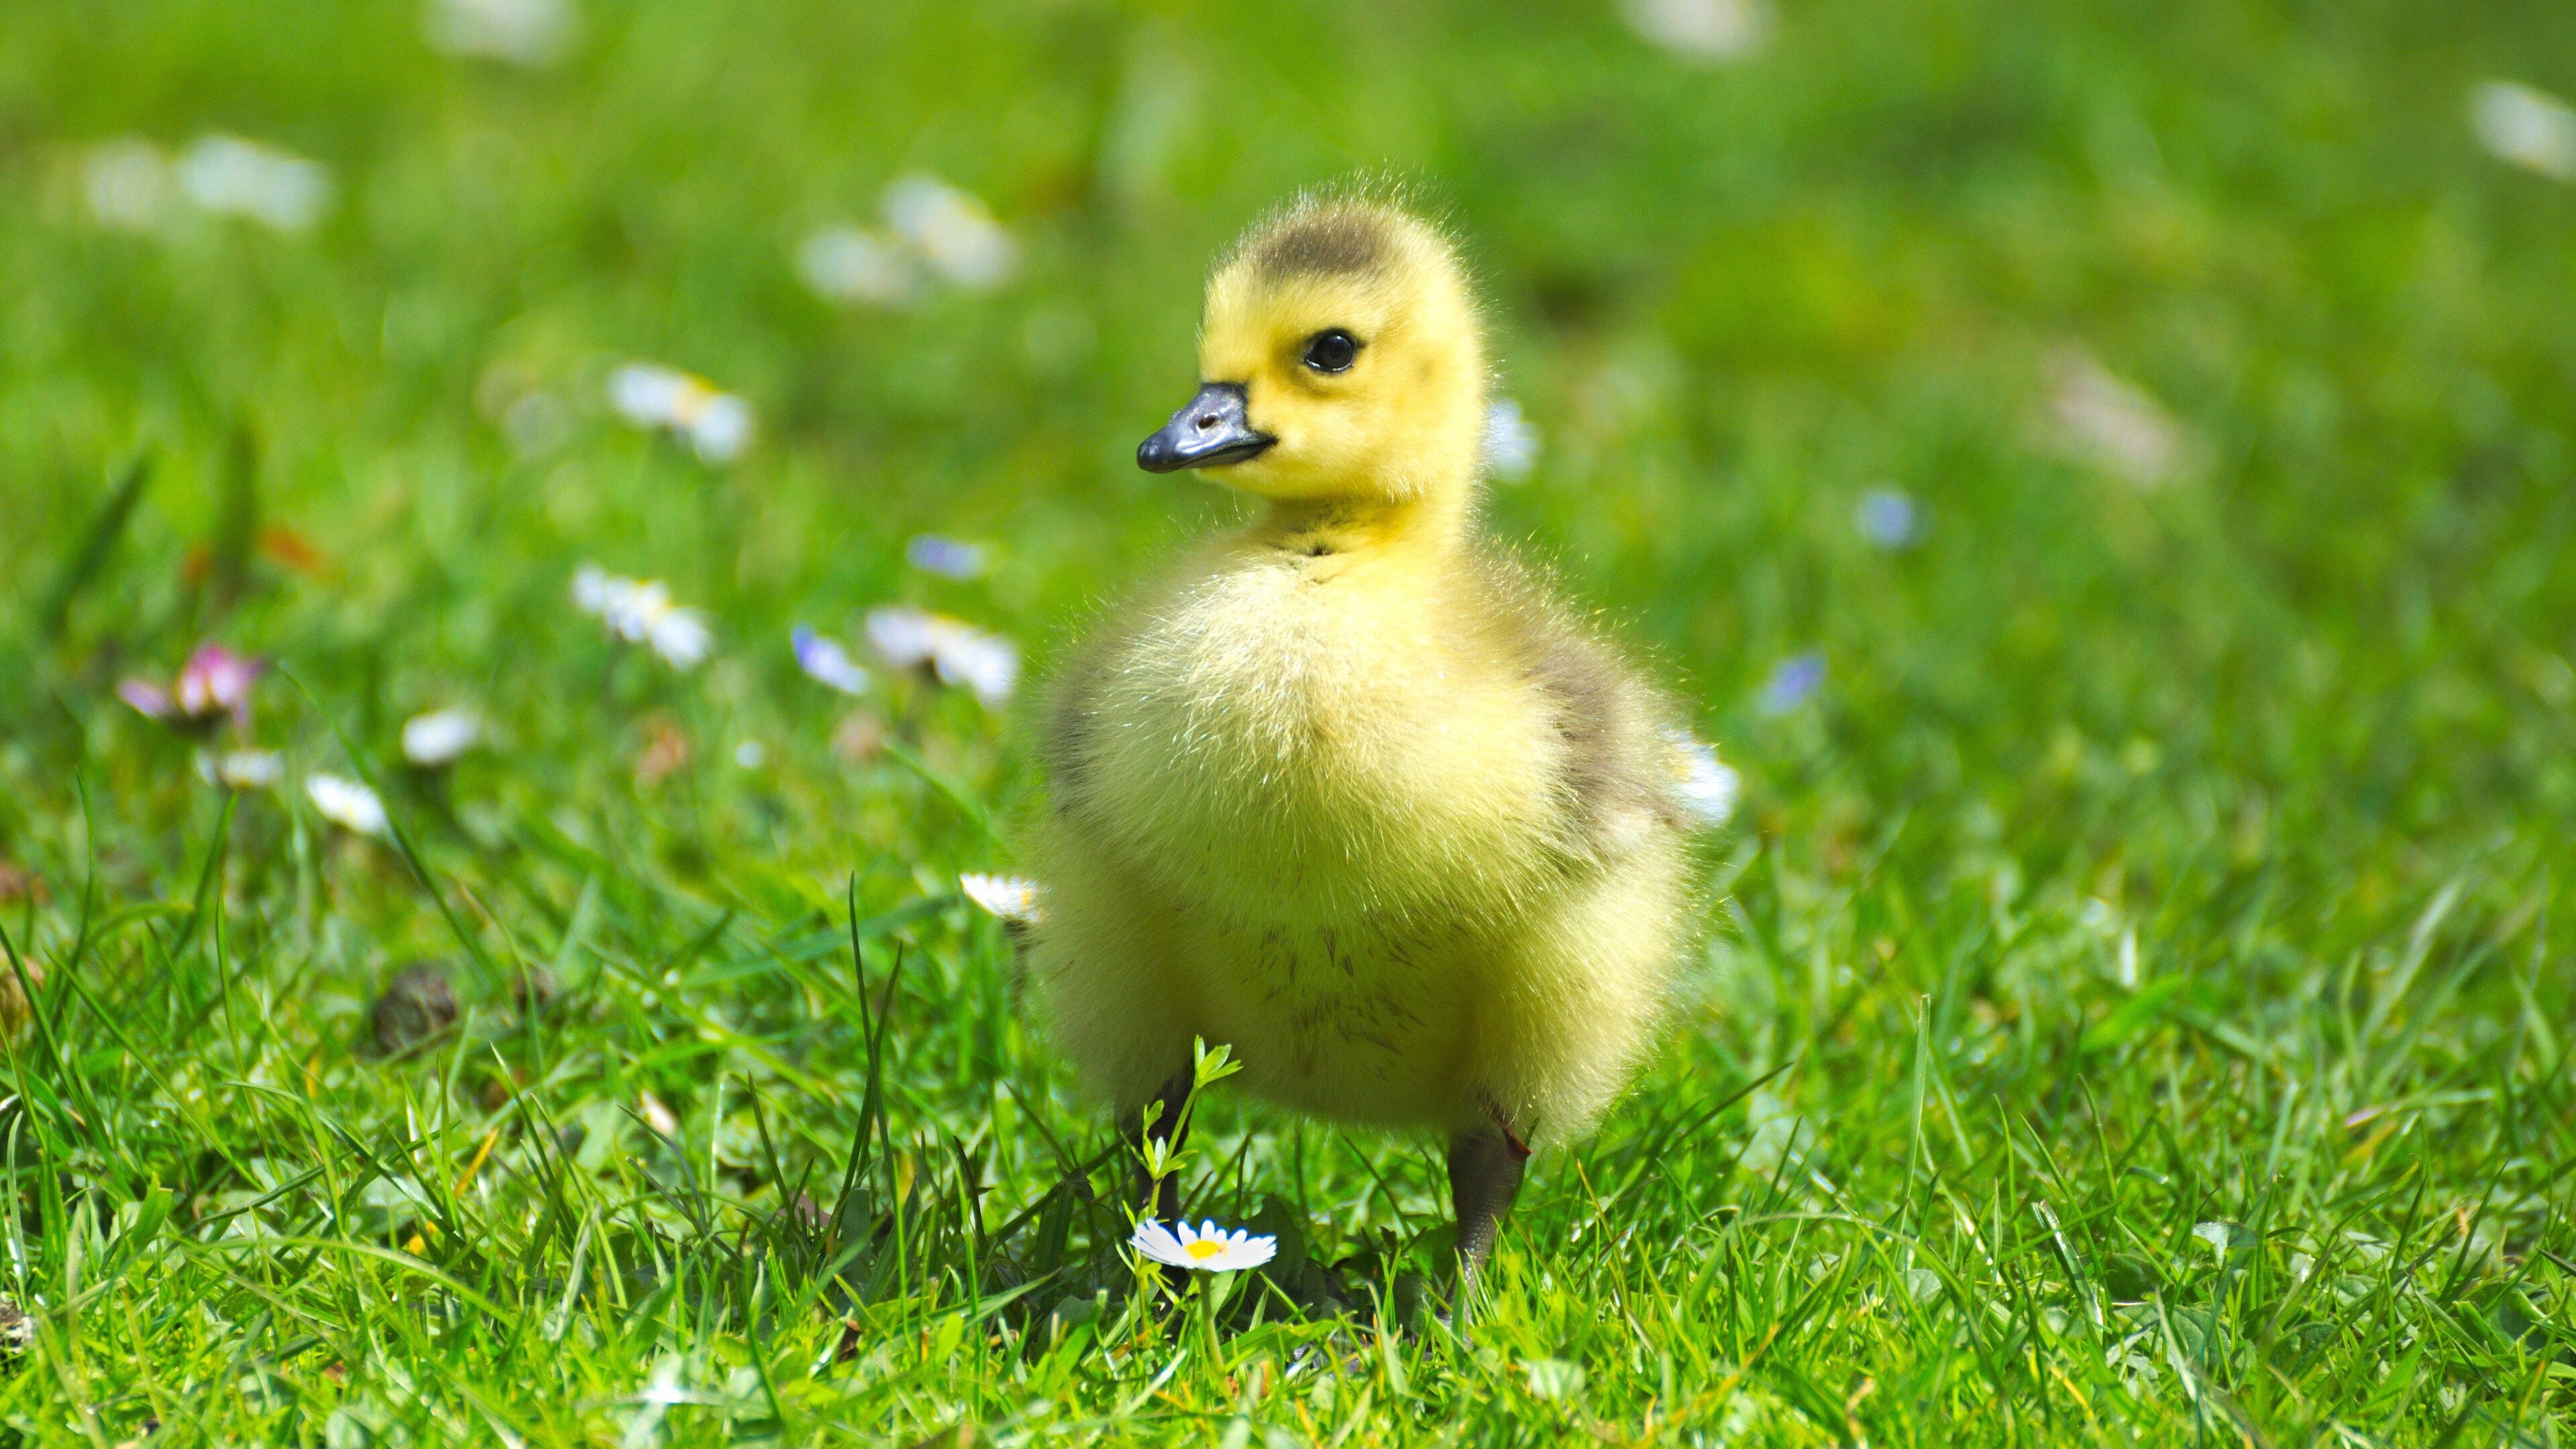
(1210, 433)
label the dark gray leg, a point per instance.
(1485, 1164)
(1162, 1199)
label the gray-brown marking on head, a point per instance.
(1328, 241)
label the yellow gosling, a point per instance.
(1348, 790)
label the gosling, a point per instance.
(1348, 790)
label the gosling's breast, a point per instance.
(1291, 735)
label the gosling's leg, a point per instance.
(1485, 1163)
(1161, 1199)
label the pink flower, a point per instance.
(214, 682)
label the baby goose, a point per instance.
(1347, 790)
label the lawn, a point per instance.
(2104, 474)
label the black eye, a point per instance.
(1332, 350)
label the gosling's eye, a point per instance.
(1332, 350)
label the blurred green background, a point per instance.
(2156, 420)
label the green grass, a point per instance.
(2152, 943)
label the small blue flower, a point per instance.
(827, 661)
(1792, 684)
(947, 557)
(1510, 443)
(1888, 518)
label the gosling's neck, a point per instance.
(1432, 526)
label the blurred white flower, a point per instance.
(751, 754)
(657, 1116)
(437, 738)
(845, 264)
(947, 557)
(1510, 444)
(244, 178)
(960, 654)
(242, 769)
(1707, 786)
(824, 659)
(127, 183)
(1006, 896)
(717, 424)
(1888, 518)
(1792, 684)
(1206, 1248)
(952, 231)
(2532, 129)
(641, 612)
(346, 803)
(2114, 423)
(1702, 30)
(522, 32)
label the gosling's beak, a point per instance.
(1210, 433)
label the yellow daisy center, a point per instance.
(1203, 1249)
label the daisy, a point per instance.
(1008, 897)
(229, 175)
(959, 653)
(436, 739)
(1205, 1248)
(521, 32)
(952, 231)
(214, 682)
(127, 183)
(1510, 444)
(2113, 423)
(2532, 129)
(1708, 788)
(640, 611)
(1703, 30)
(242, 769)
(346, 803)
(845, 264)
(824, 659)
(716, 423)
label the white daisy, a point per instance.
(2115, 424)
(1703, 30)
(437, 738)
(959, 653)
(640, 611)
(716, 423)
(1707, 786)
(824, 659)
(242, 769)
(522, 32)
(1206, 1248)
(244, 178)
(127, 183)
(2532, 129)
(952, 231)
(346, 803)
(845, 264)
(1006, 896)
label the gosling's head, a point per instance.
(1340, 359)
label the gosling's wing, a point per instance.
(1618, 771)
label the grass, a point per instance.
(2137, 1006)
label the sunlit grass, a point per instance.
(2104, 479)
